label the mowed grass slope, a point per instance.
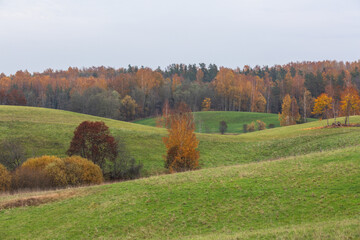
(208, 122)
(48, 131)
(309, 197)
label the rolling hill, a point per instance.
(314, 196)
(208, 122)
(48, 132)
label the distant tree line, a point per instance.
(138, 92)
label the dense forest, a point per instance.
(139, 92)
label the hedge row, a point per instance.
(51, 172)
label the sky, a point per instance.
(39, 34)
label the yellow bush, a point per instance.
(39, 163)
(49, 171)
(261, 125)
(5, 179)
(57, 173)
(82, 171)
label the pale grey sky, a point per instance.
(40, 34)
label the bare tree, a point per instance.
(12, 153)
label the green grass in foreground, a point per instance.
(49, 132)
(305, 197)
(208, 122)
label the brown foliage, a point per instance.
(181, 142)
(27, 178)
(92, 140)
(49, 172)
(261, 125)
(5, 179)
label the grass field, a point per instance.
(315, 196)
(208, 122)
(49, 131)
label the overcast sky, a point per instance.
(40, 34)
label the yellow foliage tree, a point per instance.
(350, 103)
(323, 105)
(290, 111)
(181, 143)
(206, 104)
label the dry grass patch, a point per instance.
(36, 198)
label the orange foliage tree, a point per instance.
(350, 103)
(181, 143)
(323, 105)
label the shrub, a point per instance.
(261, 125)
(124, 167)
(5, 179)
(39, 163)
(245, 128)
(222, 127)
(82, 171)
(56, 173)
(27, 178)
(49, 172)
(271, 125)
(32, 173)
(251, 127)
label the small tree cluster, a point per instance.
(290, 111)
(94, 141)
(181, 143)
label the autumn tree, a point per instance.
(350, 103)
(323, 105)
(128, 108)
(92, 140)
(290, 111)
(181, 143)
(307, 100)
(206, 104)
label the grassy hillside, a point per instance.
(208, 122)
(309, 197)
(49, 131)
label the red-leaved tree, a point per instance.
(92, 140)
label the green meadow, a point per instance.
(315, 196)
(48, 132)
(295, 182)
(208, 122)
